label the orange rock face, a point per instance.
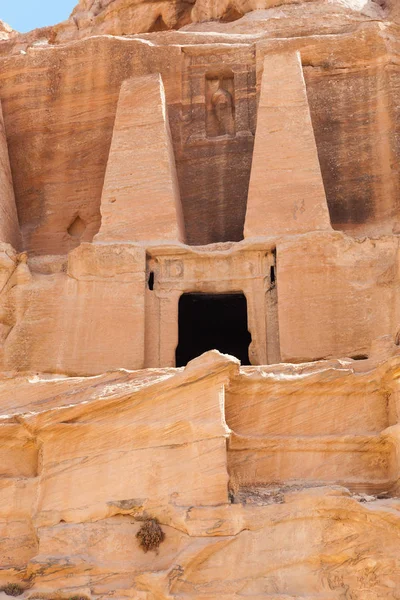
(199, 307)
(6, 32)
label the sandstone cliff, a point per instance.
(121, 17)
(6, 32)
(128, 17)
(87, 461)
(176, 178)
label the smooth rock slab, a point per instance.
(286, 192)
(140, 199)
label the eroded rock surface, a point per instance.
(85, 461)
(183, 184)
(122, 17)
(6, 32)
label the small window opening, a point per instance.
(150, 281)
(212, 322)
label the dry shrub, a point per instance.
(13, 589)
(150, 535)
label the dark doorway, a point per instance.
(212, 322)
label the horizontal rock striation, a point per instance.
(85, 461)
(199, 302)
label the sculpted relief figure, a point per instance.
(222, 102)
(220, 105)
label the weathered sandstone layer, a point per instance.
(121, 17)
(285, 493)
(187, 185)
(6, 32)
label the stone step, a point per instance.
(272, 407)
(322, 596)
(360, 463)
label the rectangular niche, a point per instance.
(220, 104)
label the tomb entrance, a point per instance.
(212, 322)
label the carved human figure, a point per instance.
(222, 103)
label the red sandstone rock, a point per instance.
(178, 177)
(124, 17)
(141, 167)
(6, 32)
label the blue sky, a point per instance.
(24, 15)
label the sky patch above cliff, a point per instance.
(24, 15)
